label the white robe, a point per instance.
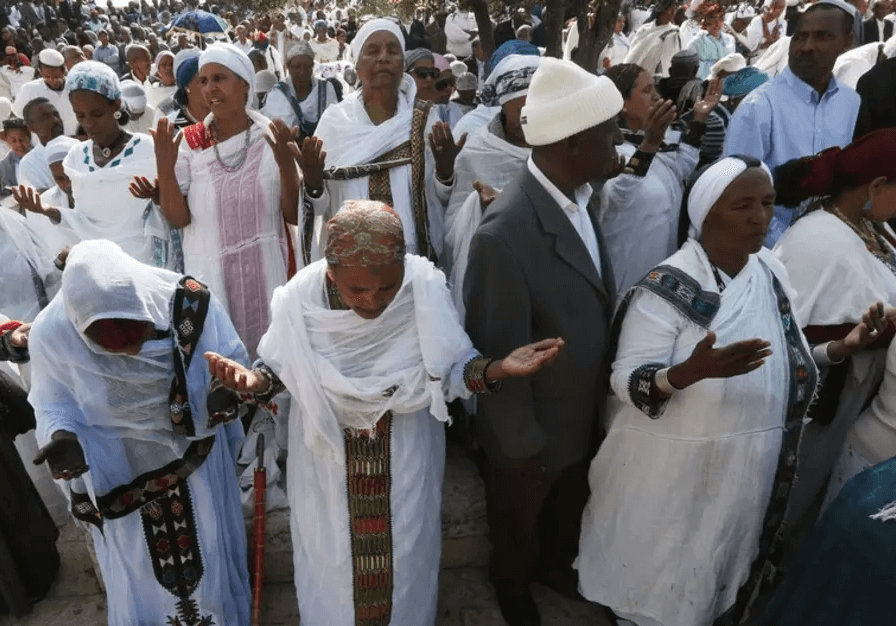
(59, 99)
(350, 138)
(836, 280)
(335, 365)
(653, 46)
(236, 242)
(678, 502)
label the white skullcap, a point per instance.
(265, 81)
(564, 100)
(710, 186)
(232, 58)
(458, 68)
(57, 149)
(134, 96)
(375, 26)
(730, 63)
(51, 58)
(467, 82)
(5, 108)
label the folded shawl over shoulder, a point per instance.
(345, 372)
(117, 405)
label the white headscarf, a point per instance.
(232, 58)
(374, 26)
(510, 79)
(710, 186)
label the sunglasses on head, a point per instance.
(426, 72)
(446, 83)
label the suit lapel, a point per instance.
(568, 244)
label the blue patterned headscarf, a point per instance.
(514, 46)
(96, 77)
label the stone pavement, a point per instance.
(465, 599)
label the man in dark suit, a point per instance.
(538, 269)
(876, 28)
(877, 88)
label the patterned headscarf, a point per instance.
(96, 77)
(514, 46)
(364, 233)
(509, 79)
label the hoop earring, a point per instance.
(117, 115)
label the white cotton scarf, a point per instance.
(345, 372)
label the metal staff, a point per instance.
(261, 481)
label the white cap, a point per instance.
(51, 58)
(458, 68)
(730, 63)
(564, 100)
(134, 96)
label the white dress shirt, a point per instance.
(577, 211)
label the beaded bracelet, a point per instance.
(474, 376)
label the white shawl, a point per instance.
(653, 46)
(346, 372)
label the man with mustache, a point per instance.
(804, 110)
(44, 121)
(50, 85)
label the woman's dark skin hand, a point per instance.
(64, 455)
(736, 359)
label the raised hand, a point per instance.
(167, 143)
(732, 360)
(874, 321)
(28, 198)
(64, 455)
(444, 149)
(141, 188)
(529, 359)
(234, 375)
(312, 160)
(659, 117)
(487, 193)
(709, 101)
(283, 144)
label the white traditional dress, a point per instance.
(365, 518)
(687, 493)
(487, 157)
(237, 242)
(104, 206)
(28, 277)
(376, 162)
(163, 503)
(836, 280)
(653, 46)
(280, 105)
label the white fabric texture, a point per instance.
(34, 171)
(837, 280)
(710, 187)
(653, 46)
(278, 107)
(117, 406)
(473, 121)
(59, 99)
(852, 64)
(564, 100)
(677, 503)
(22, 258)
(774, 59)
(639, 221)
(754, 32)
(350, 138)
(238, 249)
(134, 224)
(232, 58)
(336, 366)
(488, 158)
(371, 27)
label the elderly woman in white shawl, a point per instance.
(713, 378)
(149, 462)
(492, 156)
(374, 147)
(232, 184)
(370, 348)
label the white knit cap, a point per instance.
(730, 63)
(564, 100)
(51, 58)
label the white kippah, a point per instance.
(564, 100)
(51, 58)
(730, 63)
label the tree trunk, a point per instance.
(553, 23)
(484, 23)
(594, 35)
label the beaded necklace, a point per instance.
(240, 157)
(873, 240)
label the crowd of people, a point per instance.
(657, 299)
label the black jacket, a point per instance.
(877, 88)
(870, 32)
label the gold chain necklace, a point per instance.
(873, 240)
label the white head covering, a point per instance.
(57, 149)
(232, 58)
(134, 96)
(510, 79)
(51, 57)
(710, 186)
(182, 56)
(5, 108)
(458, 68)
(374, 26)
(731, 63)
(564, 100)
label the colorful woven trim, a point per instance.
(191, 302)
(369, 484)
(198, 137)
(642, 390)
